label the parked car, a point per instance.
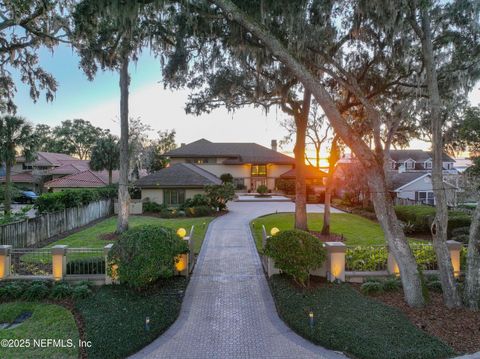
(26, 197)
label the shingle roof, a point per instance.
(49, 159)
(310, 173)
(84, 179)
(398, 179)
(178, 175)
(236, 153)
(416, 155)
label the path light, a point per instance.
(253, 224)
(181, 232)
(147, 324)
(181, 262)
(311, 319)
(274, 231)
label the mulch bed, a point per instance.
(459, 328)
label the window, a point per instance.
(259, 170)
(393, 164)
(425, 197)
(428, 165)
(409, 165)
(198, 161)
(173, 197)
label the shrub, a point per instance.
(36, 291)
(219, 195)
(199, 211)
(434, 285)
(196, 201)
(285, 185)
(371, 288)
(153, 207)
(391, 284)
(226, 178)
(262, 189)
(366, 258)
(296, 253)
(81, 292)
(408, 227)
(146, 253)
(61, 290)
(12, 290)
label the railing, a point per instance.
(85, 261)
(31, 262)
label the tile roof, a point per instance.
(311, 173)
(236, 153)
(49, 159)
(70, 168)
(84, 179)
(22, 177)
(178, 175)
(416, 155)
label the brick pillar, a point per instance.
(5, 261)
(59, 261)
(335, 261)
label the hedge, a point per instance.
(57, 201)
(422, 217)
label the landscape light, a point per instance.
(274, 231)
(310, 319)
(147, 324)
(181, 232)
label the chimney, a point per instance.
(182, 145)
(274, 145)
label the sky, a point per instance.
(98, 102)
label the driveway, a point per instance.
(228, 311)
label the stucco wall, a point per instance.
(424, 184)
(156, 194)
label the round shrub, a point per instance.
(199, 211)
(296, 253)
(226, 178)
(144, 254)
(12, 290)
(371, 288)
(81, 292)
(36, 291)
(262, 189)
(61, 290)
(391, 284)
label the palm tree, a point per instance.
(15, 138)
(105, 155)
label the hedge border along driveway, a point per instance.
(347, 321)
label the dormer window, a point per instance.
(409, 164)
(428, 165)
(393, 164)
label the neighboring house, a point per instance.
(175, 184)
(68, 168)
(315, 181)
(83, 179)
(250, 164)
(418, 160)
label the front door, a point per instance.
(256, 182)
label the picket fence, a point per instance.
(34, 230)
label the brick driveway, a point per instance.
(228, 311)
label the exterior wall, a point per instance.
(425, 184)
(156, 194)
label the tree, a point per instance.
(220, 194)
(110, 35)
(25, 26)
(164, 144)
(15, 137)
(105, 155)
(76, 137)
(332, 161)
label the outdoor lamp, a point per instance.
(274, 231)
(147, 324)
(310, 319)
(181, 232)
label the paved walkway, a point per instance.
(228, 311)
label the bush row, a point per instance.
(198, 206)
(421, 218)
(57, 201)
(37, 290)
(375, 286)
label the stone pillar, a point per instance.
(5, 261)
(109, 278)
(454, 248)
(335, 261)
(182, 264)
(59, 261)
(392, 265)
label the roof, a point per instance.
(235, 153)
(310, 173)
(178, 175)
(84, 179)
(416, 155)
(49, 159)
(22, 177)
(399, 180)
(70, 168)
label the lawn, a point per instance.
(115, 316)
(347, 321)
(47, 321)
(357, 230)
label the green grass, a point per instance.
(115, 316)
(91, 237)
(347, 321)
(357, 230)
(47, 321)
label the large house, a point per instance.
(200, 163)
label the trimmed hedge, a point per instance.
(57, 201)
(41, 289)
(421, 217)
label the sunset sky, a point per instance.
(98, 102)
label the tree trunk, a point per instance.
(317, 157)
(439, 226)
(123, 195)
(472, 279)
(382, 202)
(8, 190)
(332, 160)
(110, 175)
(301, 121)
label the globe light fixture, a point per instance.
(274, 231)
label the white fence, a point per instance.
(34, 230)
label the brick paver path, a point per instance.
(228, 311)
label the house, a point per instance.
(418, 160)
(174, 184)
(250, 164)
(82, 179)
